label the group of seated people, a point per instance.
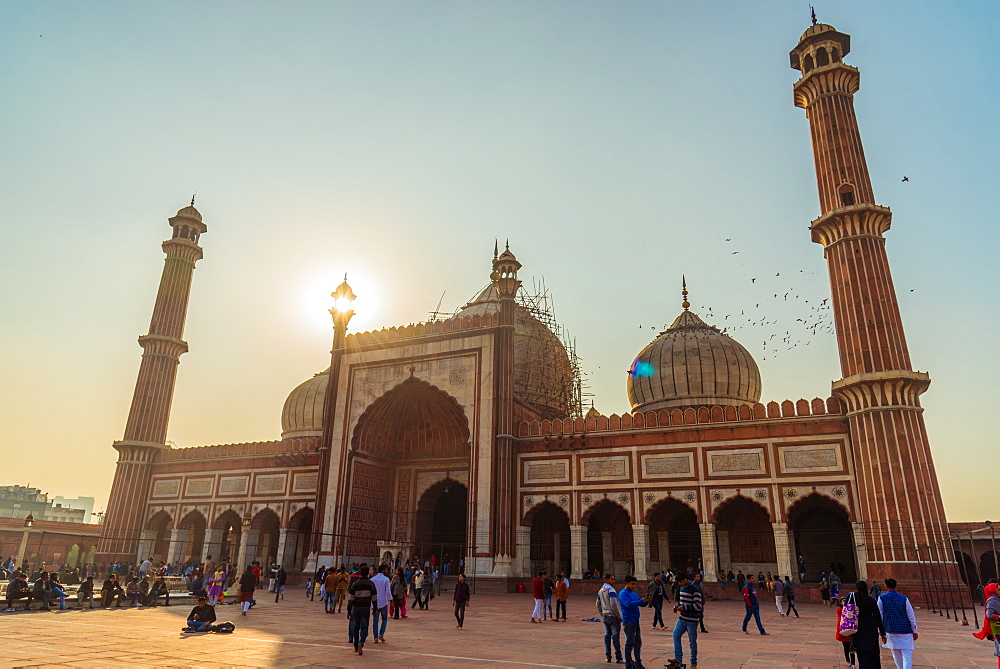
(48, 589)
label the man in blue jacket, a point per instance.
(630, 601)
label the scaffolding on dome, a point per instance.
(541, 370)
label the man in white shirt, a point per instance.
(144, 568)
(383, 597)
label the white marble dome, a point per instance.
(302, 415)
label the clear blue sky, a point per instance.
(617, 146)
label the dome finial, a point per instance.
(496, 248)
(684, 293)
(192, 198)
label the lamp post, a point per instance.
(28, 522)
(342, 312)
(245, 525)
(993, 540)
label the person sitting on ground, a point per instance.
(201, 617)
(159, 589)
(42, 592)
(85, 593)
(18, 588)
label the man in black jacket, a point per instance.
(159, 589)
(19, 589)
(201, 617)
(112, 589)
(42, 590)
(359, 600)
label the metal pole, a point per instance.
(975, 563)
(946, 586)
(993, 540)
(936, 584)
(923, 582)
(964, 570)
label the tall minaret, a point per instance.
(897, 489)
(146, 429)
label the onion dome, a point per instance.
(543, 374)
(691, 364)
(302, 415)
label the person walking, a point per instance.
(630, 601)
(688, 609)
(340, 596)
(461, 598)
(609, 608)
(418, 584)
(802, 569)
(870, 629)
(538, 594)
(360, 594)
(383, 595)
(280, 579)
(790, 596)
(900, 624)
(778, 588)
(752, 605)
(991, 614)
(656, 596)
(834, 586)
(215, 586)
(397, 588)
(562, 592)
(696, 582)
(248, 583)
(844, 640)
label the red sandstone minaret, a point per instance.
(146, 429)
(897, 490)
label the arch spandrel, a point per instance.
(652, 499)
(838, 493)
(413, 421)
(591, 502)
(533, 504)
(159, 519)
(720, 497)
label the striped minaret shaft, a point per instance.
(897, 490)
(146, 429)
(504, 504)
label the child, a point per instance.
(846, 640)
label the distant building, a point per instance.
(85, 503)
(17, 501)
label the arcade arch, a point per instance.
(609, 539)
(228, 523)
(194, 524)
(745, 536)
(823, 536)
(263, 538)
(440, 526)
(674, 535)
(550, 539)
(162, 523)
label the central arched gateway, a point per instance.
(408, 462)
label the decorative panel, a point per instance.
(166, 488)
(810, 458)
(234, 485)
(269, 484)
(736, 462)
(545, 471)
(304, 482)
(198, 487)
(667, 466)
(607, 468)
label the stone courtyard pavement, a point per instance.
(497, 633)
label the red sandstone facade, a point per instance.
(451, 437)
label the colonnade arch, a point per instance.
(263, 538)
(823, 537)
(161, 523)
(609, 539)
(674, 535)
(440, 527)
(194, 526)
(745, 536)
(549, 539)
(229, 524)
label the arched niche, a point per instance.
(823, 536)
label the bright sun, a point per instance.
(316, 300)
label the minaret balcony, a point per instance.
(855, 220)
(820, 82)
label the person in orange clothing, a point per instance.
(562, 592)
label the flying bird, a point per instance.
(904, 178)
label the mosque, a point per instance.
(466, 436)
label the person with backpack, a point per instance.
(849, 655)
(610, 611)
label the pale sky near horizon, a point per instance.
(617, 146)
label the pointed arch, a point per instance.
(194, 540)
(821, 527)
(674, 534)
(550, 538)
(609, 538)
(441, 522)
(744, 533)
(414, 420)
